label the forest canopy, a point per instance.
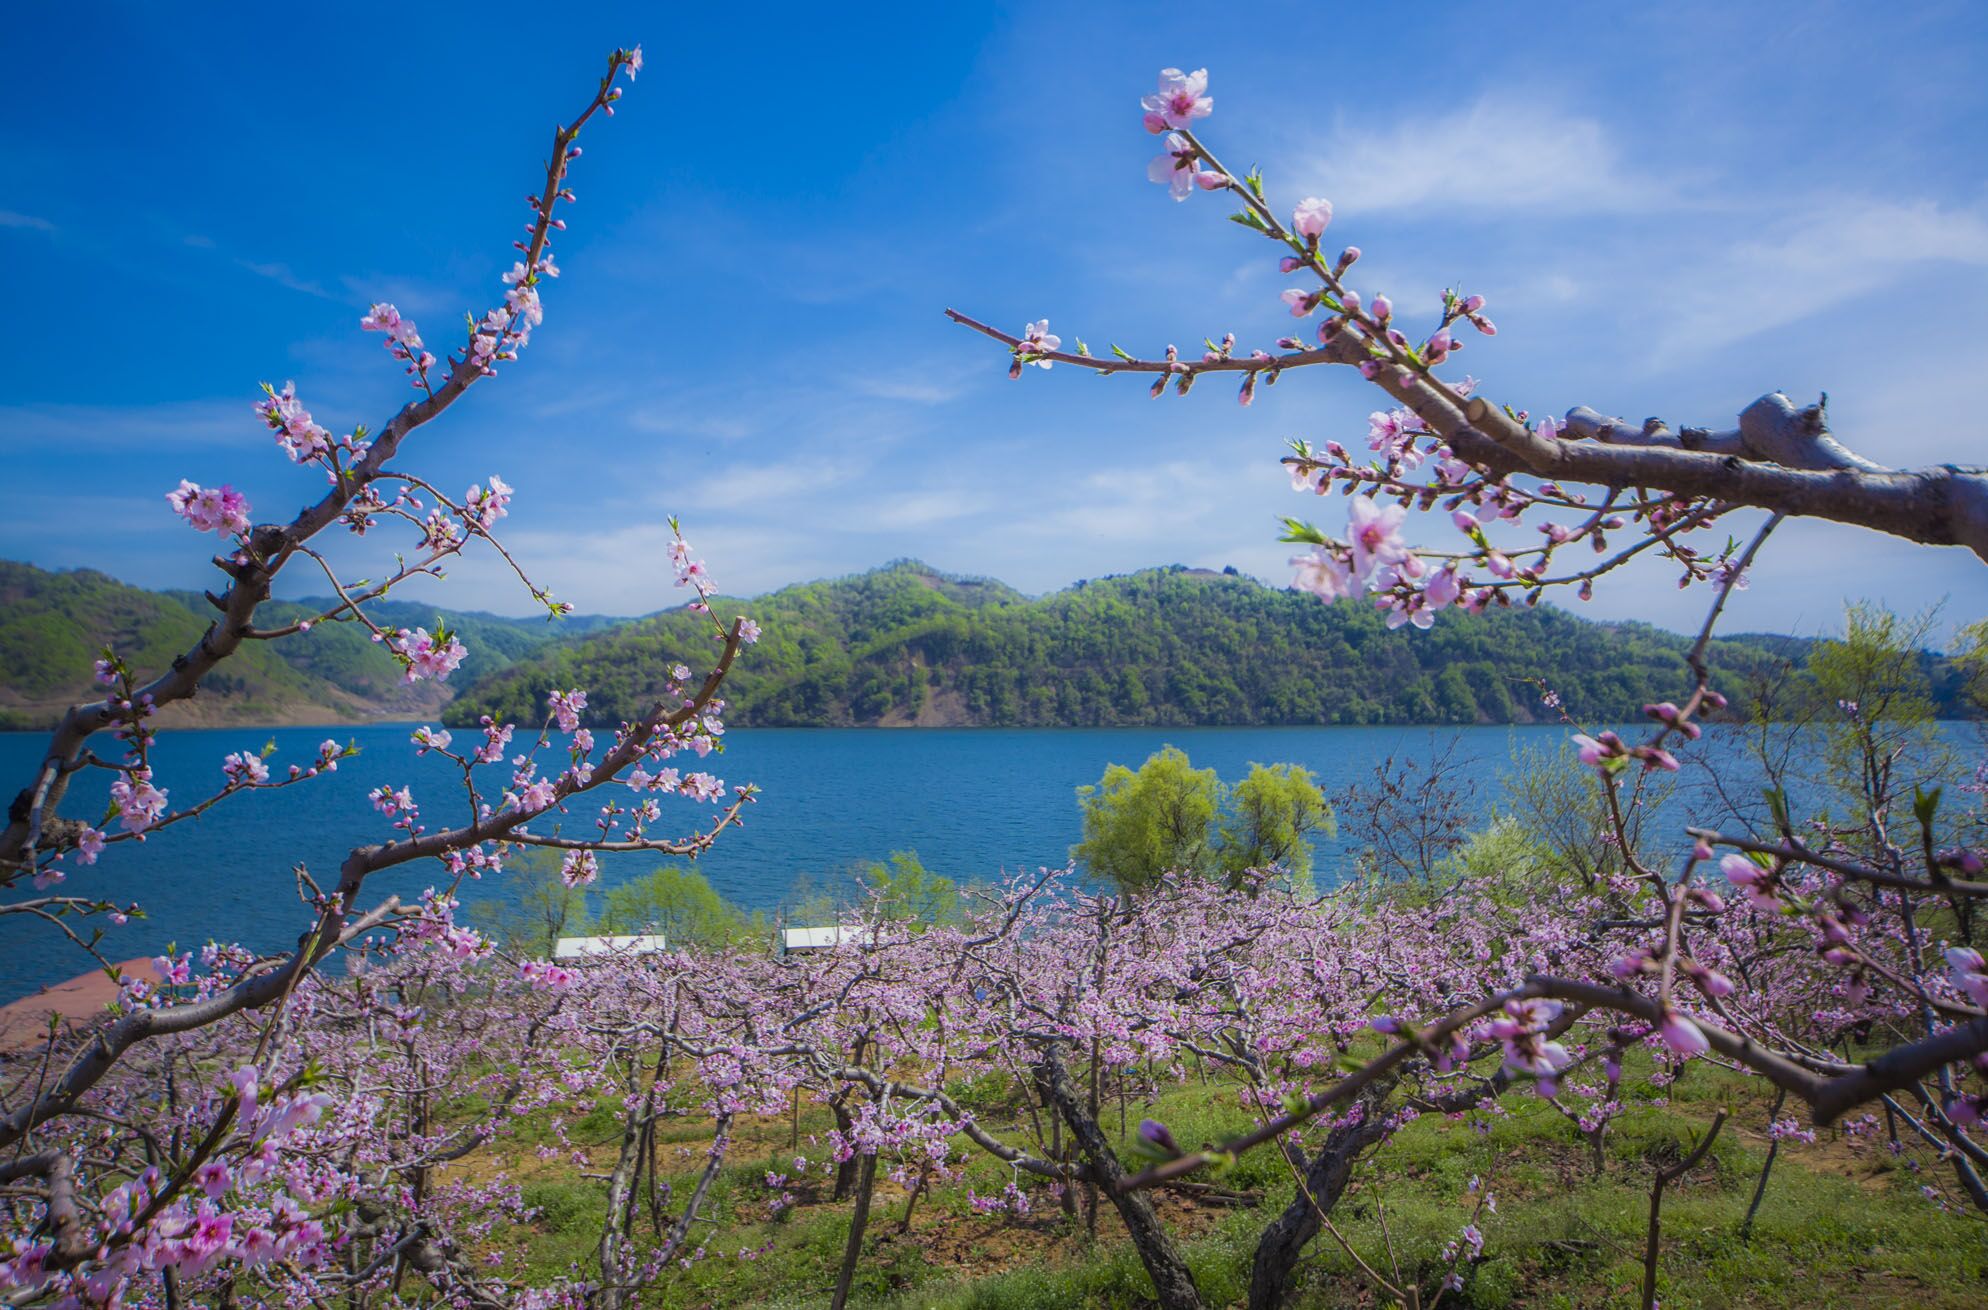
(909, 645)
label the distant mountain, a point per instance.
(53, 625)
(907, 645)
(903, 645)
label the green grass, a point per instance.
(1838, 1227)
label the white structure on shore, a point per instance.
(579, 948)
(819, 939)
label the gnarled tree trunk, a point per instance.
(1325, 1179)
(1172, 1283)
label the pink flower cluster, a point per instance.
(1375, 556)
(245, 769)
(484, 505)
(425, 656)
(566, 707)
(403, 340)
(211, 509)
(1181, 99)
(137, 803)
(579, 868)
(1521, 1031)
(303, 439)
(544, 974)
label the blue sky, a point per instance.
(1671, 207)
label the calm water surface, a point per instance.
(973, 802)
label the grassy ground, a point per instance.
(1844, 1222)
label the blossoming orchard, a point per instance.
(344, 1122)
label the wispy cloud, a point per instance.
(11, 218)
(1498, 153)
(164, 426)
(915, 389)
(682, 420)
(768, 485)
(1838, 248)
(928, 508)
(413, 295)
(282, 275)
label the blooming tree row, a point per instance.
(1331, 1022)
(1883, 904)
(243, 1118)
(252, 1129)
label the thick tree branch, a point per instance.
(1779, 457)
(1943, 505)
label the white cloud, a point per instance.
(684, 420)
(162, 426)
(1840, 247)
(625, 569)
(411, 295)
(1497, 154)
(896, 511)
(763, 485)
(10, 218)
(283, 276)
(920, 389)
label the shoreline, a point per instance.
(913, 728)
(77, 1001)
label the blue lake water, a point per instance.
(973, 802)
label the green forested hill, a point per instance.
(900, 645)
(53, 625)
(346, 656)
(908, 645)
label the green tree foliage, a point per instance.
(1874, 695)
(1505, 860)
(1971, 664)
(1553, 801)
(1163, 647)
(1273, 814)
(908, 892)
(1168, 815)
(527, 908)
(813, 902)
(682, 905)
(1138, 826)
(345, 654)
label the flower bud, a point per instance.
(1310, 218)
